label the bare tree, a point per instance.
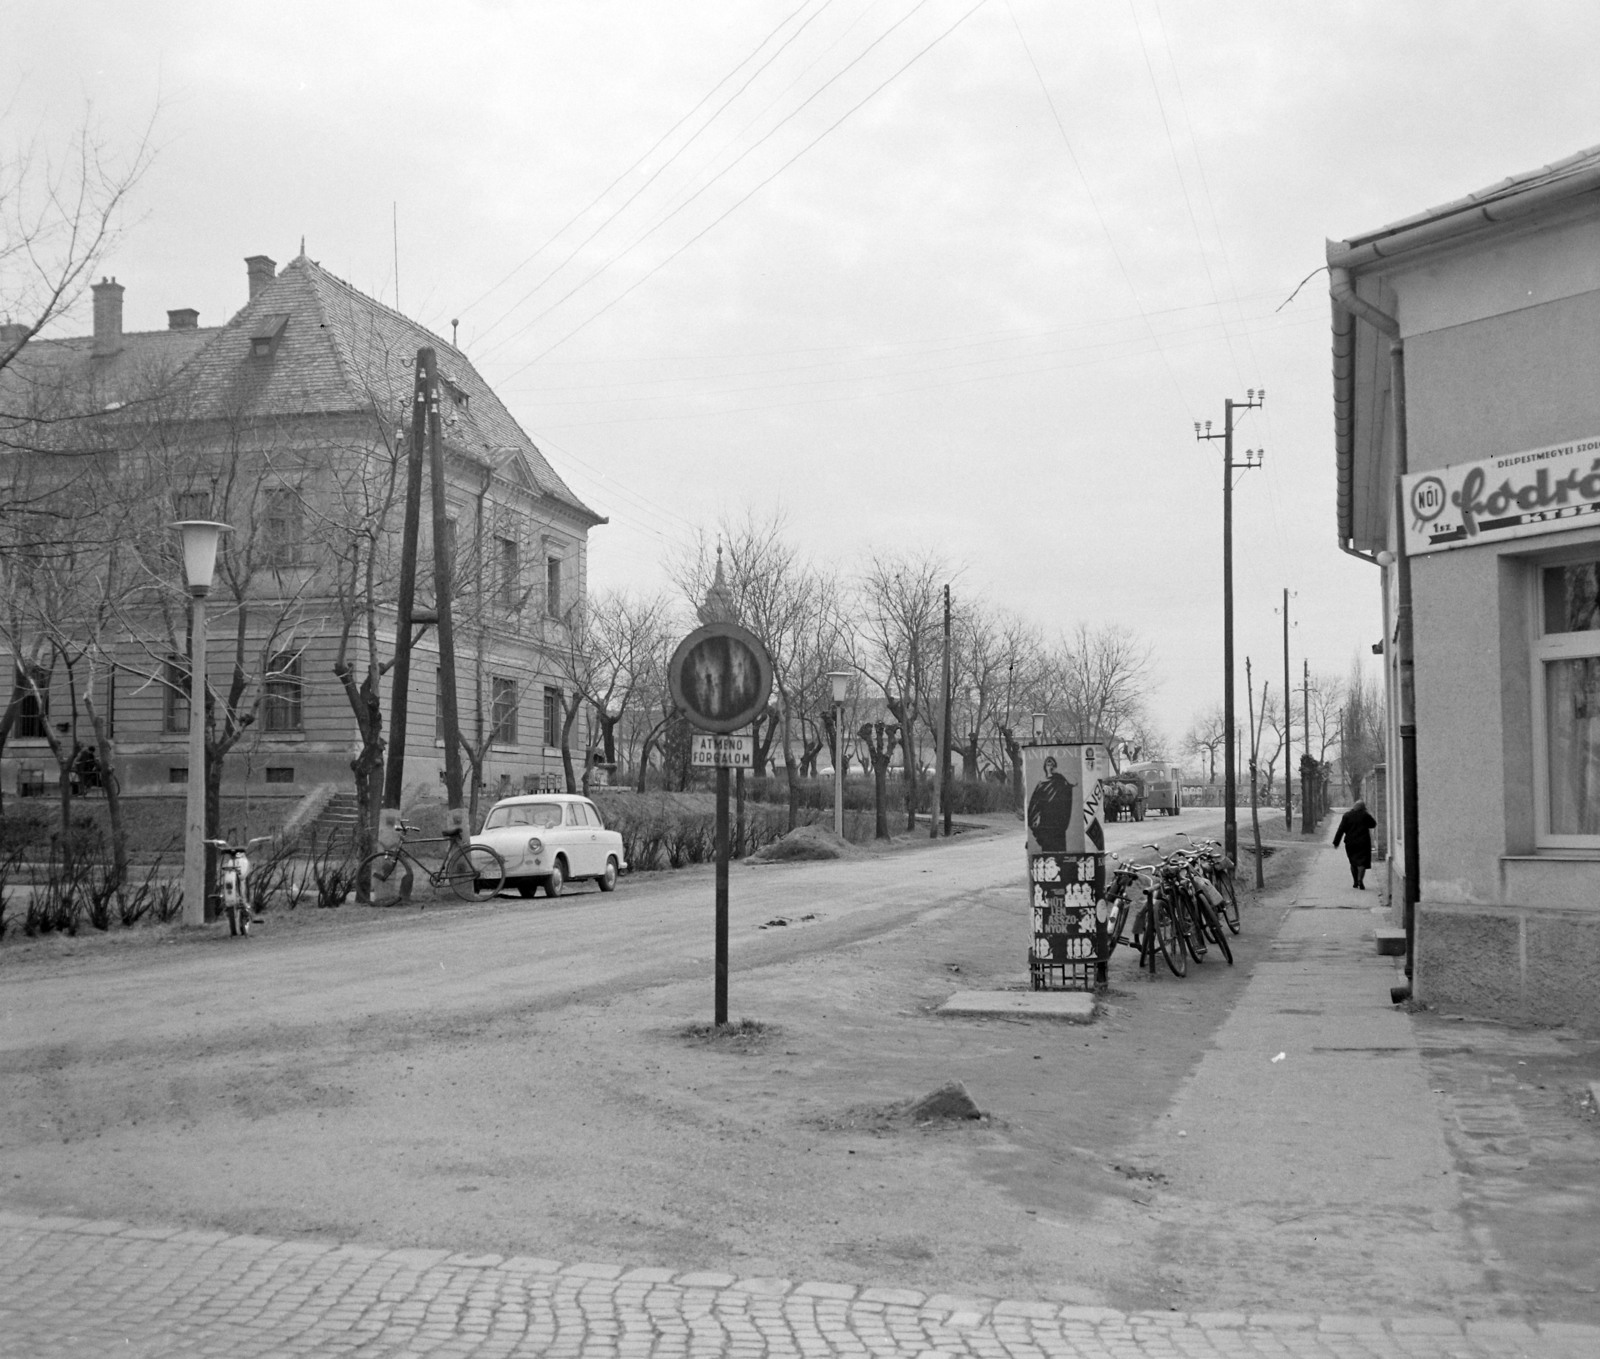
(900, 603)
(1362, 727)
(1207, 734)
(61, 209)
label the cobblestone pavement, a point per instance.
(76, 1287)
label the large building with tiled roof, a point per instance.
(288, 422)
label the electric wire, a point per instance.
(746, 197)
(673, 212)
(650, 180)
(654, 147)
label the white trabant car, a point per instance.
(548, 839)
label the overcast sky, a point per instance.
(914, 273)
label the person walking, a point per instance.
(1355, 829)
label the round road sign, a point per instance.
(721, 677)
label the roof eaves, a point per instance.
(1510, 199)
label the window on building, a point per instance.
(175, 695)
(1567, 690)
(504, 710)
(192, 504)
(552, 716)
(281, 703)
(281, 538)
(178, 773)
(33, 705)
(552, 586)
(280, 773)
(510, 572)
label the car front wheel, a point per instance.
(608, 879)
(557, 879)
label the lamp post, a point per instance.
(200, 537)
(1038, 729)
(1252, 458)
(840, 680)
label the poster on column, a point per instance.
(1063, 807)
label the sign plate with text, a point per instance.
(1513, 495)
(732, 752)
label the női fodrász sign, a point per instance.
(1513, 495)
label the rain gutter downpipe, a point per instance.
(1341, 287)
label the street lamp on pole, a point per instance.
(840, 680)
(200, 538)
(1252, 458)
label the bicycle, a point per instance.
(1202, 900)
(1163, 938)
(473, 872)
(1217, 870)
(233, 872)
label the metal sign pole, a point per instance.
(722, 895)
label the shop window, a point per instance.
(1567, 694)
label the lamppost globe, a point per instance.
(200, 538)
(840, 679)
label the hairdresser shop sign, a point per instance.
(1515, 495)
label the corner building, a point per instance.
(1466, 344)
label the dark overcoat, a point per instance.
(1355, 829)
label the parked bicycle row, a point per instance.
(1177, 908)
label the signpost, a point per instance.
(721, 678)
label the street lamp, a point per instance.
(840, 680)
(1038, 729)
(200, 538)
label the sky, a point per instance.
(916, 274)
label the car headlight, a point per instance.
(536, 844)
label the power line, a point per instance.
(717, 221)
(654, 174)
(748, 151)
(658, 143)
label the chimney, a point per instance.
(184, 318)
(107, 316)
(261, 271)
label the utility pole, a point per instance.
(400, 684)
(1252, 458)
(1305, 710)
(442, 545)
(1288, 726)
(944, 755)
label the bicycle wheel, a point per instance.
(1116, 921)
(1167, 939)
(1230, 901)
(380, 877)
(475, 873)
(1213, 927)
(1188, 916)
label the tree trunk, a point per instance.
(367, 767)
(568, 722)
(791, 771)
(106, 753)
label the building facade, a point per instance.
(1465, 341)
(291, 424)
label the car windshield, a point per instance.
(541, 814)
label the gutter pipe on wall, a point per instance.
(1341, 289)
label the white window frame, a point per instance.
(1546, 647)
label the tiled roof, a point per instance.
(343, 352)
(69, 369)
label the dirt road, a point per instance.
(524, 1078)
